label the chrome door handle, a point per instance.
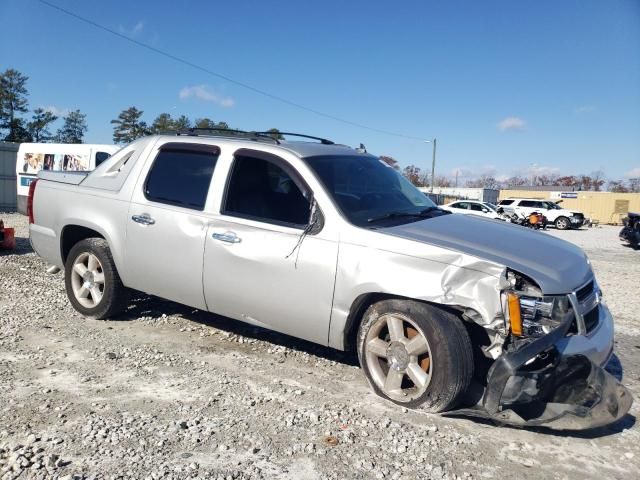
(227, 237)
(143, 219)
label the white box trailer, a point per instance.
(33, 157)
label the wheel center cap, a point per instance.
(88, 279)
(398, 356)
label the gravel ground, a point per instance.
(169, 392)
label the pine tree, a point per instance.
(73, 129)
(182, 123)
(38, 127)
(128, 126)
(205, 123)
(163, 123)
(13, 100)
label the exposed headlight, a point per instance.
(535, 316)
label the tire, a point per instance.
(562, 223)
(447, 365)
(96, 290)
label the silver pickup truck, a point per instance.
(329, 244)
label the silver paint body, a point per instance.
(240, 268)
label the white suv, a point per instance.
(560, 217)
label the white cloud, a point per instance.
(206, 94)
(133, 31)
(511, 123)
(585, 109)
(540, 170)
(474, 172)
(462, 172)
(58, 112)
(633, 173)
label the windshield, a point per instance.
(366, 189)
(490, 206)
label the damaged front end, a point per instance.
(533, 383)
(537, 386)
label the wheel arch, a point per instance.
(365, 300)
(77, 230)
(72, 234)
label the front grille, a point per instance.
(591, 319)
(585, 303)
(585, 291)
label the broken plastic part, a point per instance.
(536, 386)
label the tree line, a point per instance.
(15, 127)
(129, 125)
(595, 181)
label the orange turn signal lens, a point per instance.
(514, 314)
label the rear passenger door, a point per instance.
(262, 265)
(167, 225)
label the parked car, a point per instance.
(473, 207)
(326, 243)
(561, 218)
(33, 157)
(630, 233)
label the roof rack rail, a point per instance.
(323, 141)
(194, 131)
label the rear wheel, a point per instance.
(415, 354)
(92, 282)
(562, 223)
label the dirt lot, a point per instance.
(169, 392)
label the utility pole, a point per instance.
(433, 165)
(457, 171)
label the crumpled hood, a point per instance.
(556, 265)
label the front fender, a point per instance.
(445, 277)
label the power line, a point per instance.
(219, 75)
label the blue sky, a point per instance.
(507, 87)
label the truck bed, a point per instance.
(70, 177)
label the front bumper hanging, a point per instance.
(564, 393)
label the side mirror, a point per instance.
(316, 219)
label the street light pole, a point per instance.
(433, 165)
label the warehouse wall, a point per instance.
(8, 154)
(604, 207)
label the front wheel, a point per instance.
(92, 282)
(415, 354)
(562, 223)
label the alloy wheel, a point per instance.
(87, 280)
(398, 357)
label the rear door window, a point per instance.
(180, 175)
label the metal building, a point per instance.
(8, 155)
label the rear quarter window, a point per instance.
(101, 157)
